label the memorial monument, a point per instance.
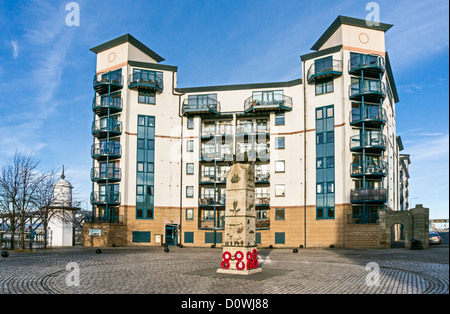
(240, 254)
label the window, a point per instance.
(140, 167)
(188, 237)
(279, 166)
(279, 119)
(280, 190)
(279, 213)
(279, 238)
(279, 143)
(190, 123)
(268, 97)
(189, 214)
(141, 236)
(189, 191)
(190, 168)
(147, 98)
(324, 87)
(190, 146)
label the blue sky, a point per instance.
(46, 69)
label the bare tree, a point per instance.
(20, 182)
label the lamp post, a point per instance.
(413, 199)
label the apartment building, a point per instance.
(323, 146)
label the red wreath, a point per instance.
(249, 256)
(226, 256)
(255, 263)
(225, 265)
(250, 265)
(255, 254)
(240, 265)
(239, 256)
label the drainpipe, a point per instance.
(304, 154)
(181, 153)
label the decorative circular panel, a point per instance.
(112, 57)
(363, 38)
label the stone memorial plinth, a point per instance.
(240, 255)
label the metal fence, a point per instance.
(35, 241)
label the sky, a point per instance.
(46, 69)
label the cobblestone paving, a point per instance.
(192, 271)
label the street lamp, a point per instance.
(413, 199)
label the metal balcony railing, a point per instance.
(373, 115)
(103, 219)
(262, 175)
(211, 200)
(110, 81)
(281, 102)
(371, 90)
(100, 105)
(379, 168)
(205, 105)
(108, 149)
(211, 177)
(106, 173)
(242, 129)
(101, 128)
(371, 141)
(328, 70)
(376, 195)
(101, 198)
(145, 80)
(362, 218)
(371, 64)
(262, 199)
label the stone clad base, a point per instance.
(239, 272)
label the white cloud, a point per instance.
(15, 49)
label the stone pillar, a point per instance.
(240, 249)
(420, 224)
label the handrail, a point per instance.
(367, 88)
(379, 167)
(212, 104)
(375, 138)
(139, 79)
(108, 78)
(105, 198)
(373, 194)
(110, 173)
(107, 102)
(357, 114)
(366, 61)
(252, 102)
(112, 125)
(106, 149)
(335, 66)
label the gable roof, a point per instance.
(347, 21)
(128, 38)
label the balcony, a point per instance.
(374, 170)
(146, 80)
(329, 70)
(98, 198)
(373, 142)
(203, 106)
(249, 129)
(262, 176)
(262, 223)
(250, 154)
(209, 177)
(102, 151)
(378, 195)
(103, 128)
(371, 65)
(212, 200)
(103, 219)
(262, 199)
(109, 82)
(208, 156)
(362, 218)
(103, 174)
(369, 90)
(209, 132)
(371, 116)
(278, 103)
(101, 105)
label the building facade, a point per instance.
(323, 146)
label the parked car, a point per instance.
(434, 237)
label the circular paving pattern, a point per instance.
(192, 271)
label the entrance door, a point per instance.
(171, 235)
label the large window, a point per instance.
(325, 176)
(145, 178)
(268, 97)
(324, 87)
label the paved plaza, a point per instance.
(193, 271)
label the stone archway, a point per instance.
(398, 237)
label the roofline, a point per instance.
(399, 143)
(221, 88)
(347, 21)
(390, 76)
(128, 38)
(320, 53)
